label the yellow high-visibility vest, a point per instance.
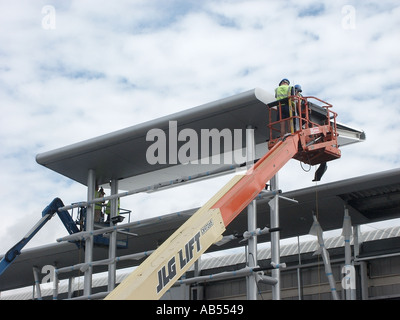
(283, 91)
(98, 205)
(108, 207)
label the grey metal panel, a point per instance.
(122, 154)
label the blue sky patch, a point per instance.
(312, 10)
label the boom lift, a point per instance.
(309, 140)
(47, 214)
(69, 224)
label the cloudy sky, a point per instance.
(75, 69)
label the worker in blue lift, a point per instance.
(108, 210)
(99, 193)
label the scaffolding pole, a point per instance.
(349, 267)
(316, 230)
(299, 273)
(251, 221)
(275, 239)
(37, 284)
(113, 238)
(87, 287)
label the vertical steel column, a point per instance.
(198, 288)
(363, 280)
(37, 284)
(299, 275)
(350, 288)
(356, 240)
(275, 239)
(87, 286)
(55, 286)
(71, 281)
(251, 220)
(112, 248)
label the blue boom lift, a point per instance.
(47, 214)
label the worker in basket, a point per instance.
(99, 193)
(115, 219)
(299, 108)
(284, 91)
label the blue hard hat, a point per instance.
(298, 88)
(284, 80)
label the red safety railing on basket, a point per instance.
(299, 117)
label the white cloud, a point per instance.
(108, 66)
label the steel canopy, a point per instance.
(121, 154)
